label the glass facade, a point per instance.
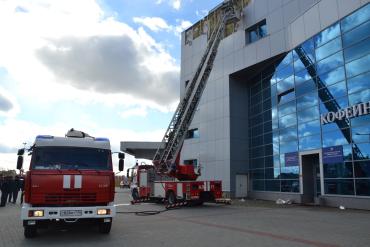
(327, 73)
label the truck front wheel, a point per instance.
(30, 231)
(105, 227)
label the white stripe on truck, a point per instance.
(78, 181)
(66, 181)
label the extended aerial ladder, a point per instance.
(328, 99)
(164, 159)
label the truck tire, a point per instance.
(135, 194)
(171, 197)
(30, 231)
(104, 228)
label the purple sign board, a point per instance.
(332, 154)
(291, 159)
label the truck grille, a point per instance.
(70, 198)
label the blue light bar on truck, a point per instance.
(101, 139)
(44, 137)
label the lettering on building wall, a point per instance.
(346, 113)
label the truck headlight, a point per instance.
(103, 211)
(36, 213)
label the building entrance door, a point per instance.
(241, 183)
(311, 178)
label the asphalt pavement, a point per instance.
(249, 223)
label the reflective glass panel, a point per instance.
(307, 100)
(287, 147)
(308, 49)
(262, 30)
(271, 173)
(330, 63)
(267, 138)
(337, 90)
(288, 134)
(358, 66)
(361, 134)
(257, 163)
(286, 97)
(258, 185)
(288, 59)
(253, 36)
(362, 169)
(289, 172)
(333, 138)
(309, 142)
(255, 89)
(333, 76)
(288, 120)
(258, 174)
(309, 128)
(342, 102)
(365, 150)
(363, 187)
(272, 185)
(360, 120)
(339, 186)
(358, 83)
(266, 93)
(357, 34)
(356, 18)
(359, 97)
(305, 87)
(269, 162)
(298, 65)
(338, 170)
(285, 84)
(328, 49)
(327, 34)
(308, 115)
(301, 76)
(290, 186)
(287, 108)
(347, 152)
(284, 72)
(356, 51)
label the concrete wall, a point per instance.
(289, 23)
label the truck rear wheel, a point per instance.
(105, 227)
(30, 231)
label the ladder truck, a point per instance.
(167, 179)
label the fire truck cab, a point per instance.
(70, 179)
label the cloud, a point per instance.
(153, 23)
(113, 64)
(79, 51)
(176, 4)
(137, 112)
(5, 104)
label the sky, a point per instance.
(110, 68)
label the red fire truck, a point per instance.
(70, 179)
(147, 184)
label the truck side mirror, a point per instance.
(20, 151)
(120, 165)
(20, 162)
(121, 155)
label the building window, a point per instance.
(193, 162)
(193, 133)
(256, 32)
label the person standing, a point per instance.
(16, 189)
(12, 187)
(4, 191)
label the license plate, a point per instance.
(70, 212)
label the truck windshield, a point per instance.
(70, 158)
